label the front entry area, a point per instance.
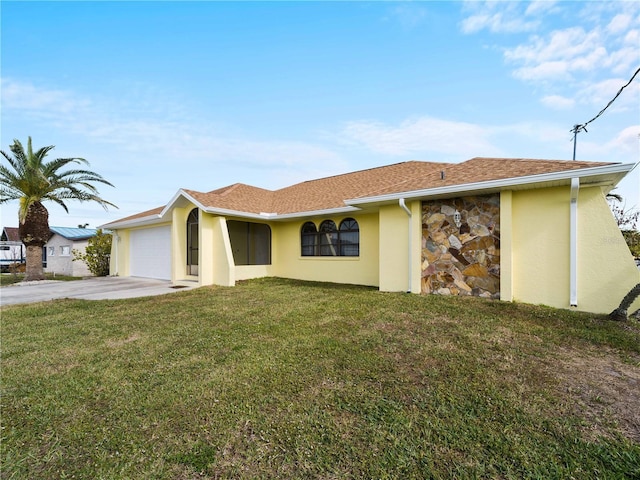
(193, 242)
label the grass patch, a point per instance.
(11, 278)
(283, 379)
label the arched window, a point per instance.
(349, 238)
(328, 239)
(308, 239)
(192, 242)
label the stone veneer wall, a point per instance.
(462, 260)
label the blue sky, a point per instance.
(166, 95)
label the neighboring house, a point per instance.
(58, 251)
(534, 231)
(12, 250)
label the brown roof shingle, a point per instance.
(146, 213)
(331, 192)
(12, 234)
(482, 169)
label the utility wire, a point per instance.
(578, 128)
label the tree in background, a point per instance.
(627, 220)
(97, 254)
(31, 180)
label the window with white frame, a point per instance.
(51, 251)
(65, 250)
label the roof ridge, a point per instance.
(222, 191)
(362, 171)
(577, 162)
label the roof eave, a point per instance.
(317, 213)
(134, 222)
(608, 175)
(284, 216)
(155, 218)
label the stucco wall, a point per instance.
(606, 267)
(288, 262)
(216, 254)
(179, 242)
(119, 261)
(399, 257)
(540, 250)
(534, 250)
(64, 264)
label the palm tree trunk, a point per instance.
(620, 313)
(34, 269)
(34, 233)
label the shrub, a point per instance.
(97, 254)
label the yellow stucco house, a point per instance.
(534, 231)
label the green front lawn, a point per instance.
(283, 379)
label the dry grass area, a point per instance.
(606, 390)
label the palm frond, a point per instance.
(85, 176)
(52, 167)
(30, 178)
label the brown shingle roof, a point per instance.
(481, 169)
(12, 233)
(238, 197)
(331, 192)
(147, 213)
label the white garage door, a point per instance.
(151, 253)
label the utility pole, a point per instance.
(575, 130)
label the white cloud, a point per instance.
(44, 102)
(601, 93)
(582, 48)
(504, 17)
(408, 15)
(420, 136)
(585, 57)
(572, 45)
(624, 60)
(558, 102)
(146, 129)
(619, 23)
(496, 23)
(628, 140)
(547, 70)
(537, 7)
(148, 151)
(632, 38)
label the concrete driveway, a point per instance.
(99, 288)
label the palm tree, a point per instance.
(620, 313)
(31, 180)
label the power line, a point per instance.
(578, 128)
